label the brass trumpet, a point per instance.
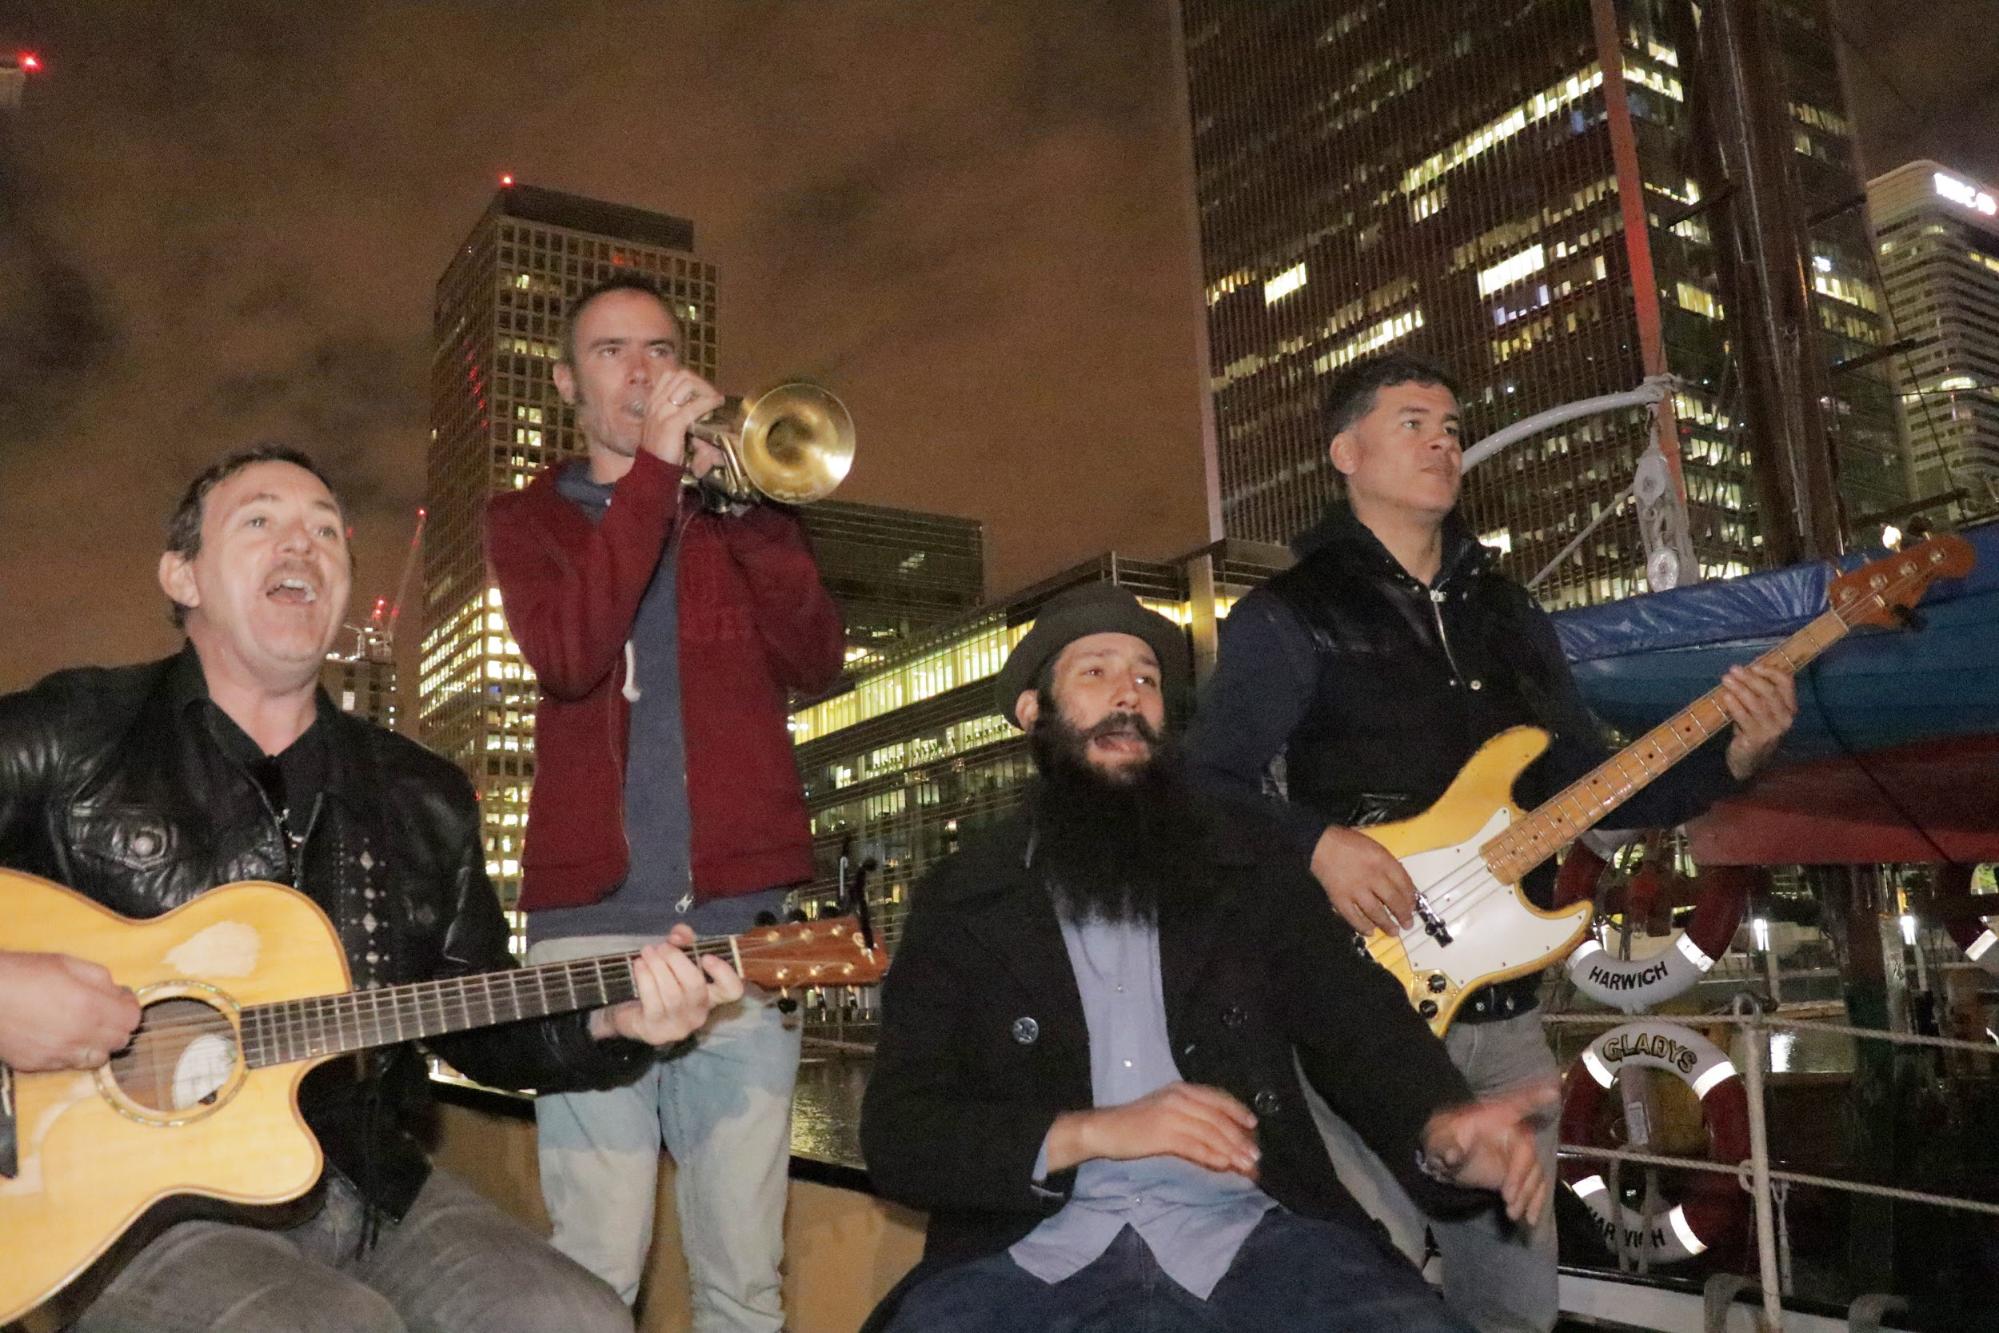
(793, 444)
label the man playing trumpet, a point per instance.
(664, 638)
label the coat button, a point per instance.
(1025, 1030)
(1265, 1102)
(1234, 1017)
(145, 843)
(1478, 684)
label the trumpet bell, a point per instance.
(797, 443)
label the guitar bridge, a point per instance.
(1433, 925)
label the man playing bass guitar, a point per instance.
(1377, 666)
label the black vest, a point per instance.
(1412, 679)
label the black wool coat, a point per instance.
(983, 1041)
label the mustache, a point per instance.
(1113, 724)
(292, 568)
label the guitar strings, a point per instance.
(1442, 896)
(508, 978)
(448, 1000)
(1784, 654)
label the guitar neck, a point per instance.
(326, 1025)
(1584, 803)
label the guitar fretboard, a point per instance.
(323, 1025)
(1584, 803)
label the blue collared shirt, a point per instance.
(1193, 1219)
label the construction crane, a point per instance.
(376, 640)
(403, 583)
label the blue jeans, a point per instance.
(1292, 1273)
(723, 1110)
(454, 1264)
(1499, 1276)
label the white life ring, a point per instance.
(1636, 984)
(1712, 1207)
(1976, 935)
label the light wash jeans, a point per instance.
(454, 1264)
(723, 1110)
(1497, 1276)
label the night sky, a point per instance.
(223, 222)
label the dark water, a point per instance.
(826, 1109)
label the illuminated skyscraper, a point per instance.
(495, 421)
(1444, 178)
(1939, 239)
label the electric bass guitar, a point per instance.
(1469, 851)
(242, 991)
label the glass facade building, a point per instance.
(495, 420)
(1938, 232)
(909, 753)
(1442, 178)
(895, 572)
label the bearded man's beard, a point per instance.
(1114, 844)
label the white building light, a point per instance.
(1511, 269)
(1285, 283)
(1965, 193)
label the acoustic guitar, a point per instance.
(1469, 851)
(242, 991)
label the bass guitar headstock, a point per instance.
(1878, 593)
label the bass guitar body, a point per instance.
(1475, 929)
(181, 1112)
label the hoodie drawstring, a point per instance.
(630, 689)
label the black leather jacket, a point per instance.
(113, 782)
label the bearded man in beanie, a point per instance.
(1086, 1071)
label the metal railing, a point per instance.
(1766, 1183)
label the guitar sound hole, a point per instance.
(182, 1056)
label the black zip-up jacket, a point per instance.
(114, 784)
(1377, 689)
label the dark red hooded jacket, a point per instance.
(755, 622)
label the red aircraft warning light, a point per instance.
(29, 61)
(506, 179)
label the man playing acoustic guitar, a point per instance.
(141, 787)
(1377, 665)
